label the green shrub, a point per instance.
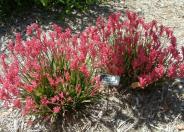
(7, 7)
(77, 4)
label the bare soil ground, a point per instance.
(159, 110)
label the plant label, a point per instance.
(111, 80)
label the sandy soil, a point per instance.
(154, 110)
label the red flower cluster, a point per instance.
(48, 72)
(138, 51)
(54, 71)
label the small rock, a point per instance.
(16, 125)
(114, 99)
(100, 114)
(180, 127)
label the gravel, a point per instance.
(128, 110)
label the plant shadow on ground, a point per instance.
(77, 20)
(150, 108)
(154, 107)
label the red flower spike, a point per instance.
(56, 109)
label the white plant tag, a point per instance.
(111, 80)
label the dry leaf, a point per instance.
(135, 85)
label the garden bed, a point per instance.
(160, 109)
